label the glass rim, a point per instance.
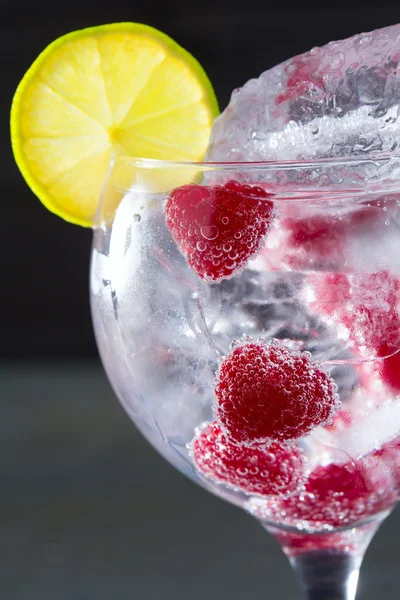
(268, 165)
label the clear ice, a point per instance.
(339, 100)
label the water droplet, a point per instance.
(201, 246)
(136, 218)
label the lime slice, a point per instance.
(112, 90)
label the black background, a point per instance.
(44, 261)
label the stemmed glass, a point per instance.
(196, 265)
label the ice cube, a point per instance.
(378, 427)
(339, 100)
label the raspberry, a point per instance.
(219, 228)
(369, 308)
(327, 292)
(389, 369)
(318, 236)
(268, 392)
(372, 314)
(273, 470)
(335, 495)
(320, 241)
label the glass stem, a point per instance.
(327, 574)
(326, 565)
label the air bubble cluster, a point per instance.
(268, 392)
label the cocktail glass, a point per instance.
(324, 280)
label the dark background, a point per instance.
(87, 508)
(44, 275)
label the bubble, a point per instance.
(201, 246)
(242, 472)
(225, 220)
(227, 247)
(365, 39)
(237, 235)
(209, 232)
(290, 68)
(136, 218)
(230, 265)
(337, 60)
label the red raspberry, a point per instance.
(273, 470)
(327, 293)
(389, 369)
(372, 312)
(219, 228)
(335, 495)
(268, 392)
(369, 307)
(320, 240)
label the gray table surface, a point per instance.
(88, 510)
